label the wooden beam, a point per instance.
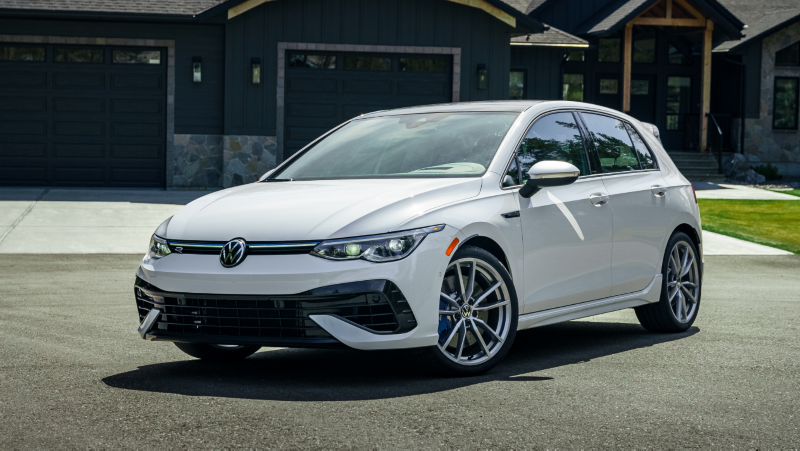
(690, 9)
(244, 7)
(489, 9)
(668, 22)
(626, 69)
(705, 105)
(669, 9)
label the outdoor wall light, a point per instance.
(197, 69)
(256, 70)
(483, 76)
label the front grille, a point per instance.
(374, 305)
(254, 248)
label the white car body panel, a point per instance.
(557, 275)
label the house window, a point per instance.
(790, 56)
(644, 50)
(516, 85)
(608, 50)
(79, 55)
(312, 61)
(679, 91)
(573, 87)
(677, 57)
(367, 63)
(576, 56)
(136, 56)
(422, 65)
(19, 53)
(609, 86)
(784, 108)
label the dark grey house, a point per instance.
(207, 93)
(760, 76)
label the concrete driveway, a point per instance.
(84, 221)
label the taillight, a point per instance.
(694, 193)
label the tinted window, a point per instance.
(79, 55)
(516, 85)
(367, 63)
(608, 50)
(645, 157)
(312, 61)
(422, 64)
(784, 113)
(612, 143)
(14, 53)
(790, 56)
(553, 137)
(413, 145)
(136, 56)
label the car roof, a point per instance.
(514, 106)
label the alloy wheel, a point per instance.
(474, 312)
(683, 277)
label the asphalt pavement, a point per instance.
(74, 374)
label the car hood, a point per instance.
(314, 210)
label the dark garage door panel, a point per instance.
(317, 100)
(90, 124)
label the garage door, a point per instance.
(323, 90)
(82, 116)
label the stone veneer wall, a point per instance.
(246, 158)
(778, 147)
(219, 161)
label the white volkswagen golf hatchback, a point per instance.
(440, 229)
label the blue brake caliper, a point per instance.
(444, 323)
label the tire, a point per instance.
(218, 353)
(495, 316)
(679, 304)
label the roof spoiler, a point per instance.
(654, 130)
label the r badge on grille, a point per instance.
(233, 253)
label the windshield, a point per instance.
(414, 145)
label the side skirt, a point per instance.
(649, 295)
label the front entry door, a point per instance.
(566, 237)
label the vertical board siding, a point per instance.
(198, 106)
(251, 109)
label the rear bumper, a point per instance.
(195, 294)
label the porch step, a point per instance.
(698, 167)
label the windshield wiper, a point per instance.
(278, 180)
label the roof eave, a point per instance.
(96, 15)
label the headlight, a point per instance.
(378, 248)
(158, 245)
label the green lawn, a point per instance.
(794, 192)
(773, 223)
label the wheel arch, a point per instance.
(491, 246)
(695, 236)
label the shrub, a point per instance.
(769, 171)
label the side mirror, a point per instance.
(548, 173)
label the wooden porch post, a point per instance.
(705, 106)
(626, 69)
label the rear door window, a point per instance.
(646, 159)
(612, 143)
(552, 137)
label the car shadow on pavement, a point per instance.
(348, 375)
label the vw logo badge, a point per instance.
(233, 253)
(466, 311)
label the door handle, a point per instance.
(658, 190)
(598, 199)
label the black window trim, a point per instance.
(796, 101)
(581, 130)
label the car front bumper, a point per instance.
(201, 282)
